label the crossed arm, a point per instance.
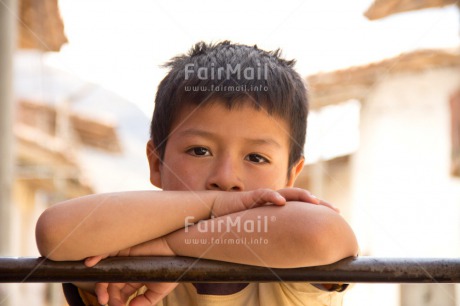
(292, 229)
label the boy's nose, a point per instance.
(224, 176)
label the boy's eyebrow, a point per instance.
(254, 141)
(263, 141)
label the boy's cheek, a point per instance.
(182, 179)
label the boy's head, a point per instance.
(232, 74)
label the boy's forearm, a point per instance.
(100, 224)
(294, 235)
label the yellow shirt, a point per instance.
(266, 294)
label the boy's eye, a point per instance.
(256, 158)
(199, 151)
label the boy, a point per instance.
(226, 145)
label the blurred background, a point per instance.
(77, 85)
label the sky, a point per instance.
(121, 45)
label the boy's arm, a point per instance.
(298, 235)
(106, 223)
(295, 235)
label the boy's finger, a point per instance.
(324, 203)
(102, 293)
(277, 198)
(114, 292)
(298, 194)
(263, 196)
(128, 290)
(271, 196)
(92, 261)
(155, 293)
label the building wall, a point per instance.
(405, 203)
(29, 202)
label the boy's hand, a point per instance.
(302, 195)
(155, 293)
(118, 294)
(230, 202)
(93, 260)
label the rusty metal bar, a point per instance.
(185, 269)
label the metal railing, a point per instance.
(185, 269)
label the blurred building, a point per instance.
(72, 138)
(399, 187)
(48, 170)
(69, 140)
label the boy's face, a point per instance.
(213, 148)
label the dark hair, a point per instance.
(232, 73)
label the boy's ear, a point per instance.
(295, 171)
(154, 164)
